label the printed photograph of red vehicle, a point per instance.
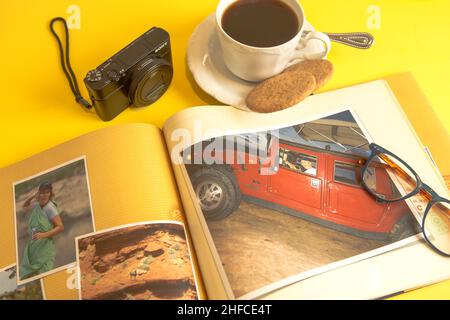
(289, 203)
(316, 175)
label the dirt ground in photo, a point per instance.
(137, 263)
(259, 246)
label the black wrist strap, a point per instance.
(65, 63)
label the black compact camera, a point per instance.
(137, 75)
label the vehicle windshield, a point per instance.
(338, 133)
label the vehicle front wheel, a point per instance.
(217, 191)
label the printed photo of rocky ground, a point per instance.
(141, 262)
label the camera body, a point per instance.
(137, 75)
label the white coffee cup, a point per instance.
(259, 63)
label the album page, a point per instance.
(98, 217)
(285, 216)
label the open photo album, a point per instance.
(305, 203)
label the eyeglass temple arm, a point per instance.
(425, 192)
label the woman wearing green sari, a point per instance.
(45, 222)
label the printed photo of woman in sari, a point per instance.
(52, 208)
(45, 223)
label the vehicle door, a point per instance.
(298, 183)
(347, 201)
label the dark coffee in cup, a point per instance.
(260, 23)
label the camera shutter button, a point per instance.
(113, 75)
(94, 76)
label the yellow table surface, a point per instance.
(38, 110)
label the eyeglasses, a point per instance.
(388, 178)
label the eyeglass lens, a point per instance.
(387, 178)
(437, 226)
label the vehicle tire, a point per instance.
(405, 227)
(217, 191)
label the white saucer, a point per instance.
(205, 60)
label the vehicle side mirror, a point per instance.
(270, 164)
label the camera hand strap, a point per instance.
(65, 63)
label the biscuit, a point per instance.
(320, 68)
(281, 91)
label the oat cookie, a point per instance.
(320, 68)
(281, 91)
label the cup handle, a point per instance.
(299, 53)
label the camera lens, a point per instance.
(149, 80)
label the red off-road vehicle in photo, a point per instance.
(314, 182)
